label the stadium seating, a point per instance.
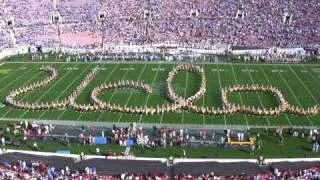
(261, 24)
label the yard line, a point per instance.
(109, 75)
(165, 101)
(19, 77)
(185, 94)
(241, 100)
(313, 76)
(257, 93)
(84, 70)
(286, 82)
(128, 100)
(54, 84)
(105, 81)
(9, 110)
(9, 75)
(203, 116)
(114, 92)
(304, 85)
(61, 94)
(224, 116)
(269, 82)
(154, 79)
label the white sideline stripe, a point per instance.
(54, 84)
(114, 92)
(164, 62)
(304, 85)
(297, 100)
(266, 117)
(154, 79)
(105, 81)
(241, 100)
(129, 98)
(83, 71)
(27, 82)
(148, 125)
(269, 82)
(224, 116)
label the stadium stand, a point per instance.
(238, 23)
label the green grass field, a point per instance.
(299, 83)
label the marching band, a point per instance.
(178, 101)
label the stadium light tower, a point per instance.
(102, 16)
(56, 20)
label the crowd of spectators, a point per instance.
(309, 173)
(264, 23)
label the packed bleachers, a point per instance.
(239, 23)
(27, 12)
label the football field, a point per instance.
(300, 83)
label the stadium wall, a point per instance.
(157, 48)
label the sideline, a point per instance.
(164, 62)
(150, 125)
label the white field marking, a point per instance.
(75, 79)
(314, 77)
(127, 69)
(203, 116)
(19, 77)
(73, 122)
(1, 64)
(185, 96)
(258, 96)
(304, 85)
(224, 116)
(154, 79)
(158, 69)
(220, 70)
(8, 75)
(109, 75)
(297, 100)
(269, 82)
(105, 81)
(114, 92)
(279, 71)
(249, 70)
(33, 77)
(165, 101)
(61, 94)
(23, 68)
(304, 71)
(103, 69)
(164, 62)
(241, 100)
(55, 83)
(129, 98)
(2, 105)
(71, 68)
